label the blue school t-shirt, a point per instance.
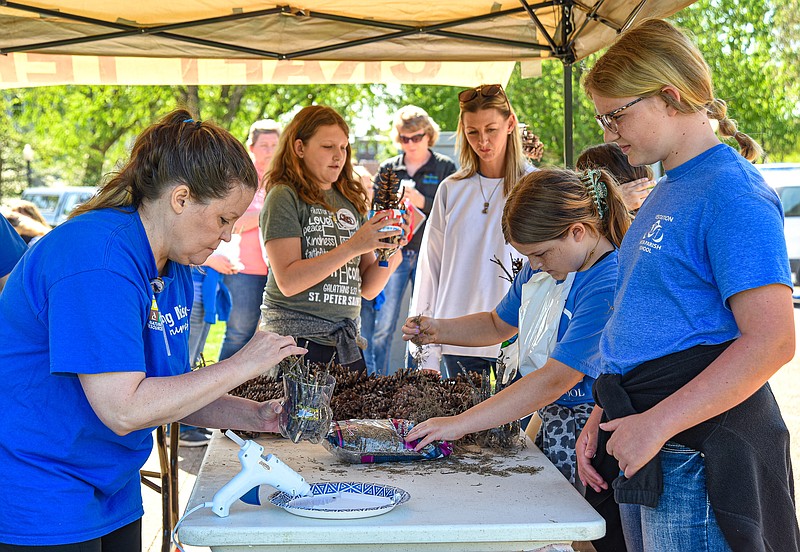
(80, 302)
(586, 311)
(12, 246)
(710, 229)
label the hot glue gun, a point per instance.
(256, 470)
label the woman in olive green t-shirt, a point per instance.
(320, 245)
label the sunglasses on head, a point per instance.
(485, 90)
(417, 138)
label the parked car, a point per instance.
(785, 179)
(57, 203)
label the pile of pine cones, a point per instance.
(409, 394)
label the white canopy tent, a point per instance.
(453, 42)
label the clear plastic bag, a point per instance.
(543, 301)
(376, 441)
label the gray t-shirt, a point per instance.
(285, 215)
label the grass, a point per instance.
(214, 342)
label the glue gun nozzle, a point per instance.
(235, 438)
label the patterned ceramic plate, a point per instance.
(342, 500)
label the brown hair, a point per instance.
(610, 157)
(514, 163)
(410, 119)
(288, 169)
(177, 150)
(544, 204)
(655, 54)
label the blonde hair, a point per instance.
(409, 119)
(288, 168)
(655, 54)
(515, 162)
(544, 204)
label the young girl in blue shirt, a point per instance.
(702, 319)
(564, 222)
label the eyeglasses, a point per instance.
(417, 138)
(608, 120)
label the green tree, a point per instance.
(82, 132)
(751, 46)
(745, 44)
(12, 166)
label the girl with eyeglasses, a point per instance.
(455, 275)
(420, 170)
(320, 244)
(702, 319)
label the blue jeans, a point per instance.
(198, 327)
(247, 292)
(367, 332)
(386, 318)
(683, 518)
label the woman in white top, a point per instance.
(455, 274)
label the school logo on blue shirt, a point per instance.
(652, 238)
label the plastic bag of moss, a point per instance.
(376, 441)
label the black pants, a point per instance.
(324, 353)
(124, 539)
(451, 369)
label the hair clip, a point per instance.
(596, 189)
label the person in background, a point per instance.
(420, 170)
(230, 284)
(94, 348)
(568, 225)
(246, 283)
(320, 245)
(456, 275)
(27, 208)
(28, 228)
(635, 183)
(368, 309)
(12, 247)
(686, 425)
(212, 303)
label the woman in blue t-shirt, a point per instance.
(702, 319)
(94, 327)
(568, 225)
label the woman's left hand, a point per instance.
(634, 441)
(268, 414)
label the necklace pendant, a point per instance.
(485, 210)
